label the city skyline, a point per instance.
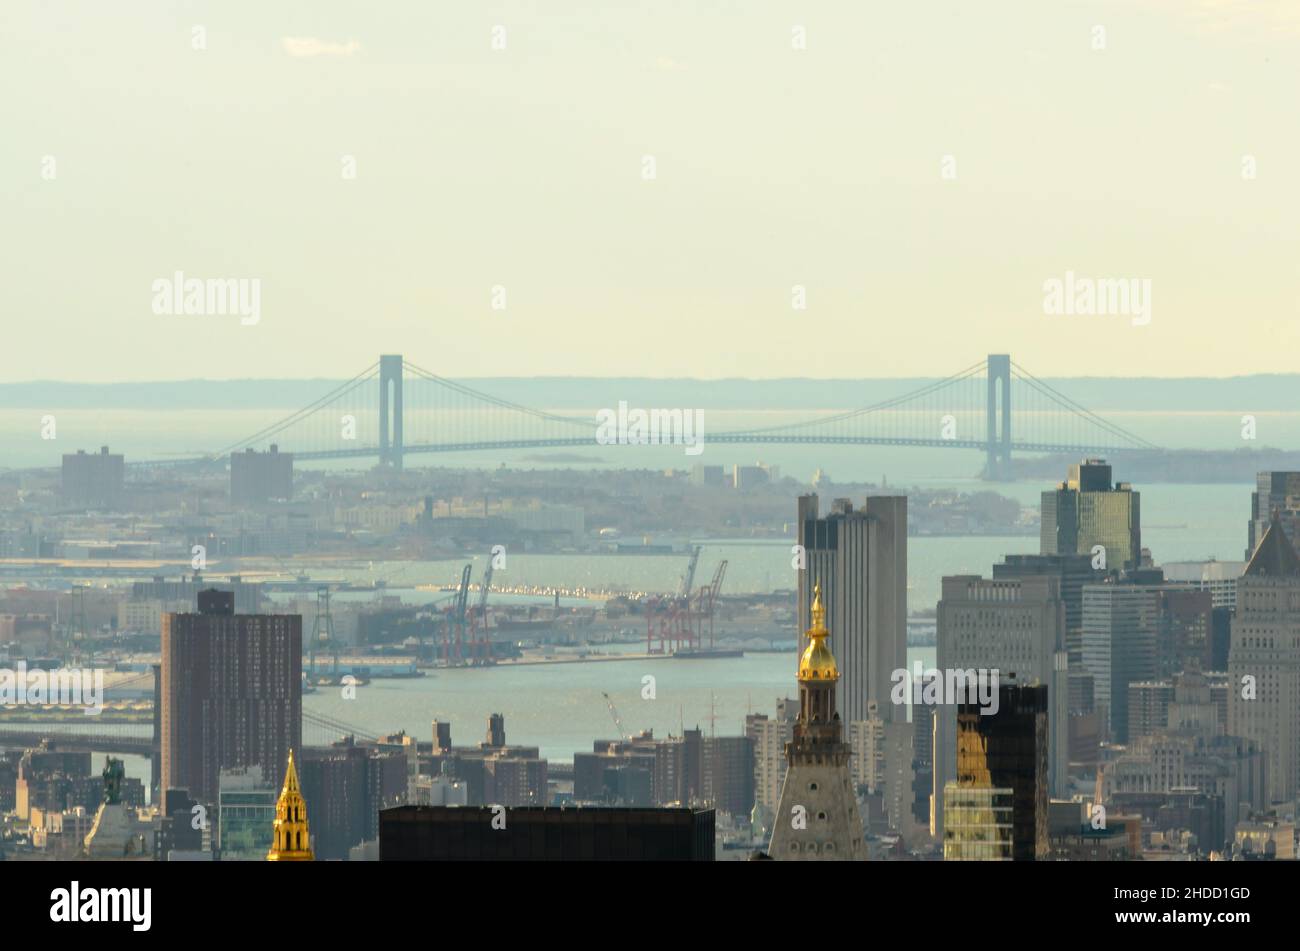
(653, 433)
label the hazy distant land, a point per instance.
(1244, 394)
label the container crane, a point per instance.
(618, 721)
(709, 600)
(454, 616)
(480, 638)
(689, 581)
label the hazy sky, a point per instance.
(523, 168)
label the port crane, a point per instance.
(613, 712)
(480, 637)
(689, 580)
(677, 622)
(454, 617)
(709, 600)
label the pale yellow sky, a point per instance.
(522, 168)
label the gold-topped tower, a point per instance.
(818, 663)
(292, 842)
(818, 813)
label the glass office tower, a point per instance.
(997, 752)
(1086, 511)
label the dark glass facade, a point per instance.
(1008, 750)
(528, 833)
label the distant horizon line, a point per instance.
(663, 379)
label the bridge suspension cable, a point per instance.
(1024, 376)
(494, 400)
(338, 392)
(329, 723)
(927, 390)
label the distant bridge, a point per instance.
(393, 409)
(129, 739)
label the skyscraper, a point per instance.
(231, 693)
(859, 558)
(1001, 774)
(1017, 628)
(1275, 492)
(1264, 660)
(818, 815)
(1073, 571)
(1121, 625)
(1086, 511)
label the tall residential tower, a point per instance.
(231, 693)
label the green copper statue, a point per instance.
(114, 773)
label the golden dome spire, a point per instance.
(818, 663)
(292, 840)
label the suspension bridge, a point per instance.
(105, 734)
(394, 408)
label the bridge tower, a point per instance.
(390, 410)
(998, 447)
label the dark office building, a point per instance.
(1220, 638)
(627, 785)
(231, 691)
(94, 480)
(1274, 491)
(1086, 511)
(1008, 750)
(1185, 632)
(467, 834)
(257, 477)
(177, 830)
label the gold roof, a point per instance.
(290, 787)
(291, 839)
(818, 663)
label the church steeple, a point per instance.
(292, 842)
